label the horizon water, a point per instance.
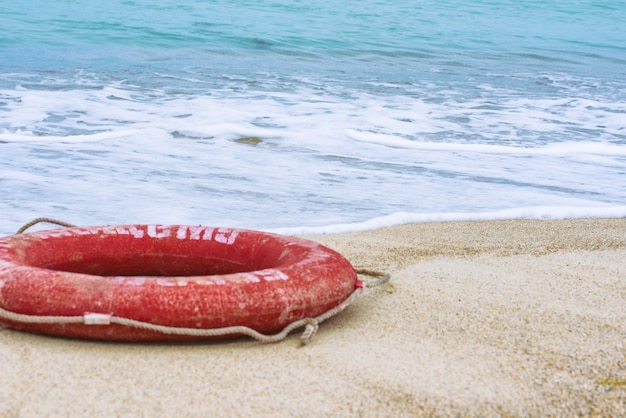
(311, 117)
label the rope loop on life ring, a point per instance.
(42, 220)
(311, 325)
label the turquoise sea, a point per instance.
(311, 116)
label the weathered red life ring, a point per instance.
(196, 277)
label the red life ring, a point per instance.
(196, 277)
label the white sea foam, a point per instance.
(401, 218)
(95, 137)
(328, 155)
(556, 149)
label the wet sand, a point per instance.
(497, 318)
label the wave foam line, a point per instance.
(565, 148)
(401, 218)
(101, 136)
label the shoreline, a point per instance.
(511, 317)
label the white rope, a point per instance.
(382, 277)
(310, 324)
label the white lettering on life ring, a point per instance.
(158, 231)
(226, 236)
(272, 275)
(129, 230)
(195, 233)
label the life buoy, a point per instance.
(188, 277)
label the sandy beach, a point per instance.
(498, 318)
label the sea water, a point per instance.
(311, 116)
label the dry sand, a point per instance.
(500, 318)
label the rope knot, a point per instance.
(310, 329)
